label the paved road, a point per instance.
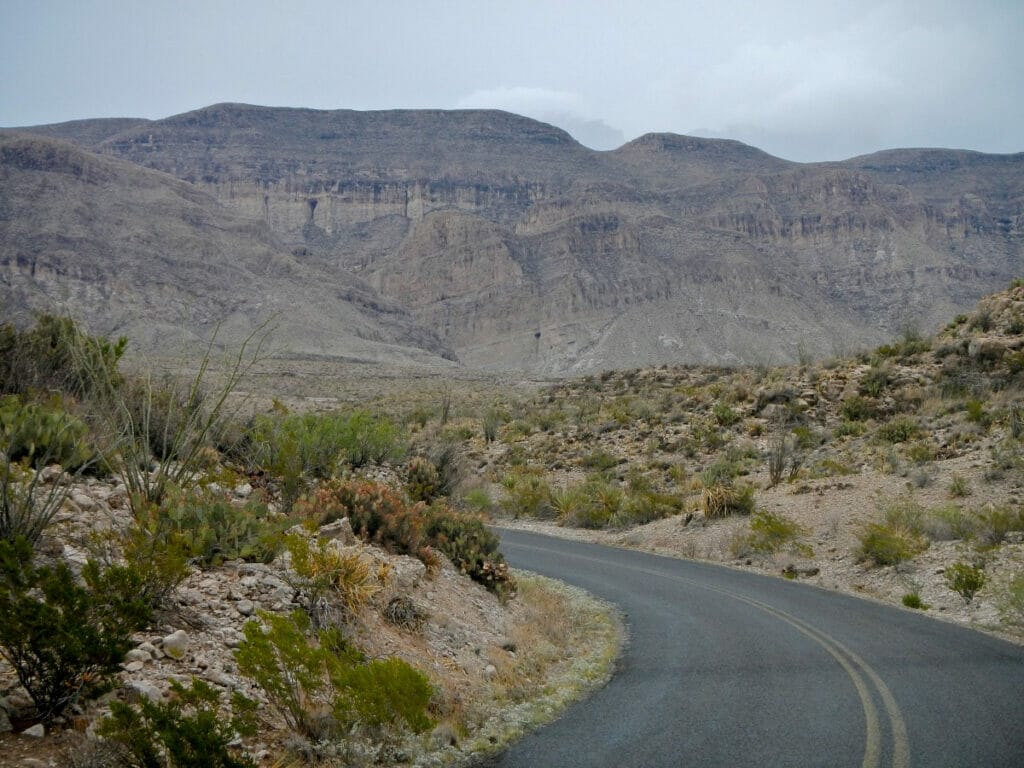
(726, 668)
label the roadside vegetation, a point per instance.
(343, 506)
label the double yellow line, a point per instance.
(855, 667)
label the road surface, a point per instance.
(728, 668)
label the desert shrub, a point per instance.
(55, 355)
(894, 541)
(949, 523)
(1011, 603)
(298, 449)
(849, 428)
(422, 483)
(471, 547)
(328, 576)
(994, 522)
(43, 433)
(64, 639)
(725, 500)
(898, 430)
(490, 423)
(209, 528)
(857, 408)
(965, 579)
(528, 495)
(402, 611)
(188, 731)
(724, 415)
(599, 460)
(297, 672)
(874, 381)
(645, 505)
(913, 600)
(378, 514)
(381, 694)
(779, 452)
(769, 532)
(959, 487)
(478, 501)
(437, 474)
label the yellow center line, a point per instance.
(846, 658)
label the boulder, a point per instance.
(175, 645)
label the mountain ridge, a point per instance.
(521, 249)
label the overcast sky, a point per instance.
(813, 80)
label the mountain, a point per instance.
(521, 249)
(136, 252)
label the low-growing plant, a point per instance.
(1011, 603)
(724, 415)
(769, 532)
(599, 460)
(913, 600)
(725, 500)
(874, 381)
(471, 546)
(856, 408)
(959, 487)
(209, 528)
(329, 577)
(378, 514)
(995, 521)
(322, 686)
(64, 639)
(965, 579)
(890, 544)
(402, 611)
(187, 731)
(528, 495)
(898, 430)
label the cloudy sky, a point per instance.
(812, 80)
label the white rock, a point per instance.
(144, 690)
(36, 731)
(138, 654)
(176, 645)
(246, 607)
(243, 491)
(340, 530)
(83, 502)
(133, 666)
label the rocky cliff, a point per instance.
(522, 249)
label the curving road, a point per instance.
(727, 668)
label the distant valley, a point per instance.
(491, 240)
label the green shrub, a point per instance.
(724, 415)
(436, 475)
(55, 355)
(42, 434)
(1011, 603)
(890, 544)
(965, 579)
(599, 460)
(959, 487)
(994, 522)
(471, 547)
(64, 639)
(210, 529)
(490, 423)
(856, 408)
(769, 532)
(296, 673)
(874, 381)
(913, 600)
(383, 693)
(849, 428)
(528, 495)
(188, 731)
(899, 430)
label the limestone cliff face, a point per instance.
(521, 249)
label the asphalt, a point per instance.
(728, 668)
